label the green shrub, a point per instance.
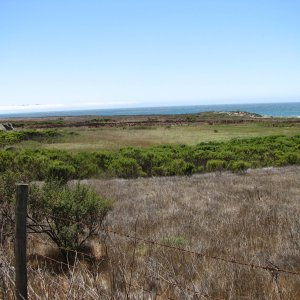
(214, 165)
(103, 159)
(71, 214)
(125, 168)
(59, 171)
(147, 161)
(6, 160)
(239, 166)
(8, 182)
(292, 158)
(13, 137)
(159, 171)
(200, 169)
(180, 167)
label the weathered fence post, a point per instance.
(20, 242)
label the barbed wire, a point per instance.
(54, 260)
(129, 285)
(95, 257)
(183, 250)
(132, 284)
(214, 257)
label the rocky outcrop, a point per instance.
(6, 127)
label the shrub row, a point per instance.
(166, 160)
(13, 137)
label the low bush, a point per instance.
(13, 137)
(179, 167)
(60, 172)
(214, 165)
(70, 214)
(235, 155)
(125, 167)
(239, 166)
(8, 182)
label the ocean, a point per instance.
(265, 109)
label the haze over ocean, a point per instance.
(291, 109)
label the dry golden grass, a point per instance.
(250, 218)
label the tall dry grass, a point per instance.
(250, 218)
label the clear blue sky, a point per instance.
(120, 53)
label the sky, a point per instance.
(75, 54)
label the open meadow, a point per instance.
(251, 218)
(93, 139)
(92, 134)
(109, 217)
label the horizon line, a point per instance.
(76, 108)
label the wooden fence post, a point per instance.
(20, 242)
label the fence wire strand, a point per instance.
(187, 251)
(130, 284)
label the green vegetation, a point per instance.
(164, 160)
(146, 150)
(240, 166)
(71, 214)
(91, 139)
(214, 165)
(8, 180)
(59, 171)
(114, 138)
(13, 137)
(174, 240)
(68, 214)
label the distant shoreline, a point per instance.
(148, 121)
(291, 109)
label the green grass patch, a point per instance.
(94, 139)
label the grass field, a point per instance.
(251, 218)
(91, 139)
(88, 133)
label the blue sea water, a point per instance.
(266, 109)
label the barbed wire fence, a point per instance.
(108, 230)
(36, 228)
